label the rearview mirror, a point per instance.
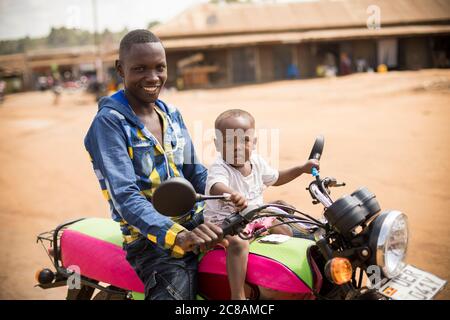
(317, 148)
(174, 197)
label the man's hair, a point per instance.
(134, 37)
(233, 113)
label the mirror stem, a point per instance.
(200, 197)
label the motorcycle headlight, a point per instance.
(389, 242)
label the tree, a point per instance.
(151, 24)
(107, 36)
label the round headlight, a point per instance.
(389, 242)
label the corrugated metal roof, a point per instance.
(297, 37)
(211, 19)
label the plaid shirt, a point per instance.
(130, 163)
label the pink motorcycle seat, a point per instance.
(261, 271)
(94, 245)
(282, 268)
(98, 258)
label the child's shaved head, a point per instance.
(233, 113)
(235, 136)
(134, 37)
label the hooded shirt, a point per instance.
(130, 163)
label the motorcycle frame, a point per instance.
(89, 285)
(62, 274)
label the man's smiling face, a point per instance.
(144, 70)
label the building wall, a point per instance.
(440, 55)
(312, 54)
(306, 60)
(244, 62)
(282, 59)
(367, 50)
(266, 63)
(219, 58)
(414, 53)
(172, 59)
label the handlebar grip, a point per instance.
(230, 226)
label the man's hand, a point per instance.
(238, 200)
(205, 237)
(310, 164)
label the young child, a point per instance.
(244, 175)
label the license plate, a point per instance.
(412, 284)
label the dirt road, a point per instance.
(389, 132)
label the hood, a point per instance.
(119, 102)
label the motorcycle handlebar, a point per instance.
(314, 172)
(236, 222)
(319, 195)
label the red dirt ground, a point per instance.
(389, 132)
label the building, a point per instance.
(23, 71)
(226, 44)
(211, 45)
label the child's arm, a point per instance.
(290, 174)
(220, 188)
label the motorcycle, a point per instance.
(355, 251)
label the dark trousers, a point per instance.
(164, 277)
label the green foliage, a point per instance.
(63, 37)
(152, 24)
(60, 37)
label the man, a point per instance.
(136, 141)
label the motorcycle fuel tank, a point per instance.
(274, 270)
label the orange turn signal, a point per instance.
(339, 270)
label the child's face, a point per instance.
(235, 140)
(144, 71)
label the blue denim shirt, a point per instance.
(130, 163)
